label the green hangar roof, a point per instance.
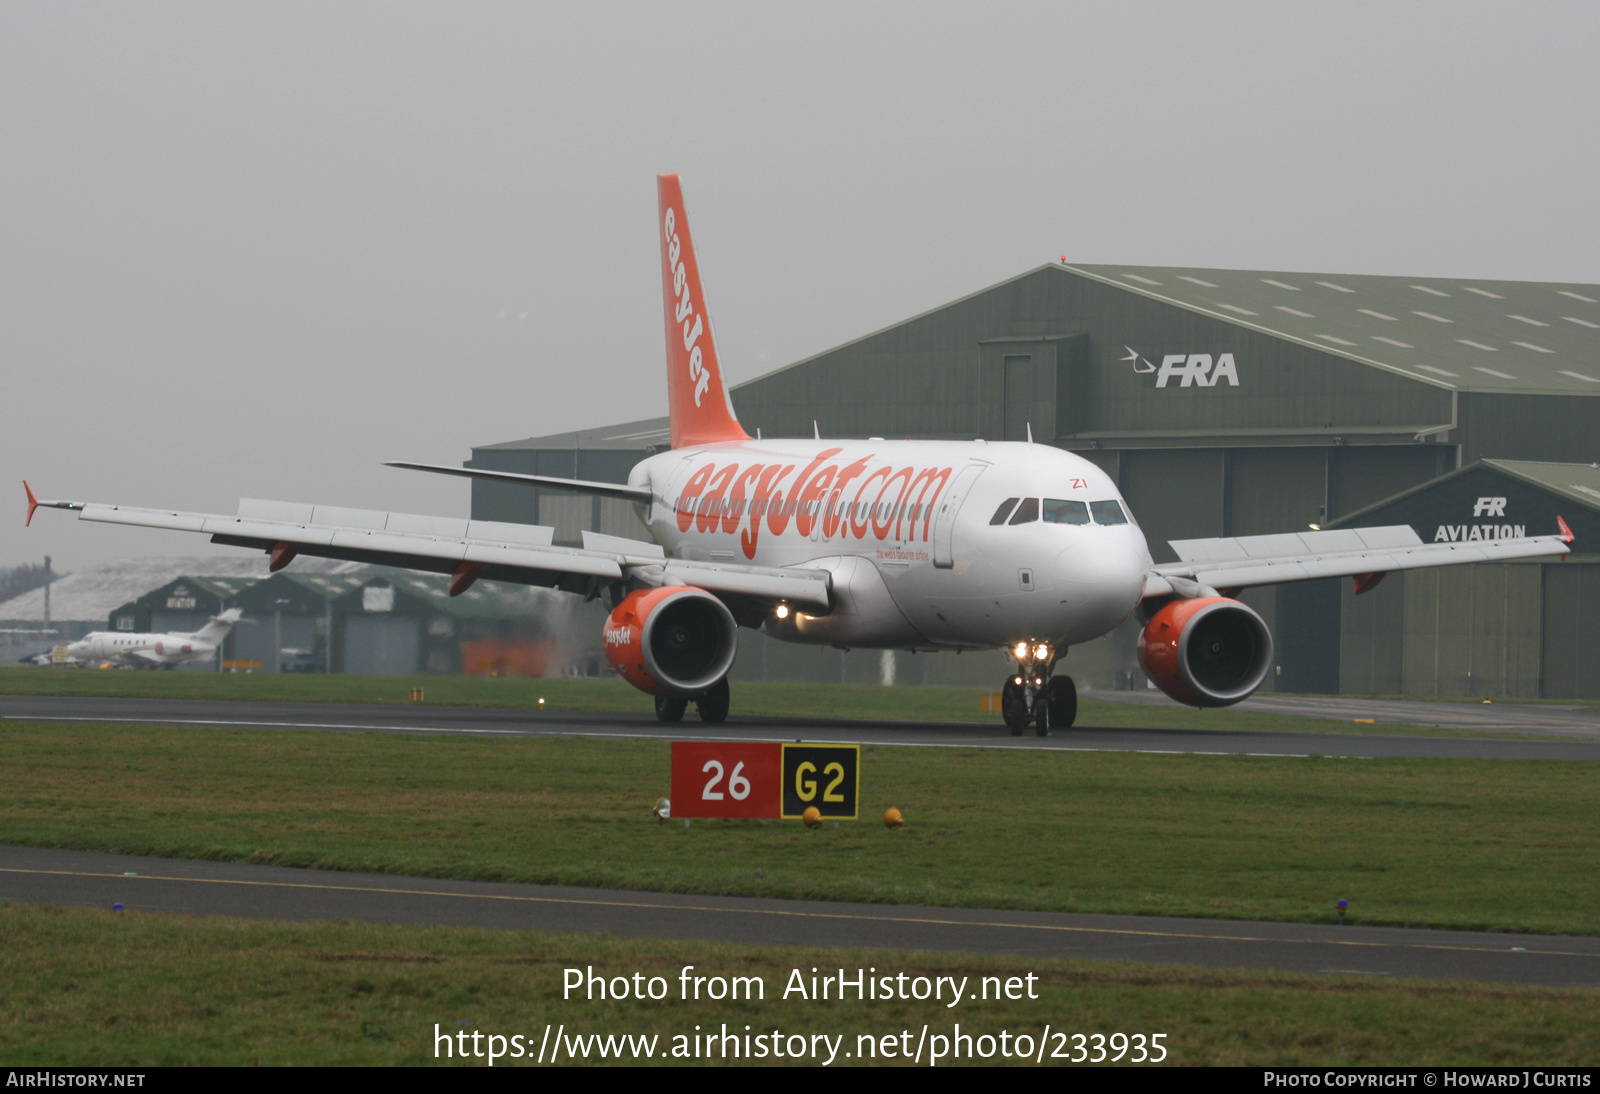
(1501, 336)
(1365, 358)
(1124, 357)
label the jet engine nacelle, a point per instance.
(1206, 652)
(676, 640)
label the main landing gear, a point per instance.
(1033, 695)
(712, 705)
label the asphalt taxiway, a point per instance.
(35, 875)
(493, 721)
(1546, 719)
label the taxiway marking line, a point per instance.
(535, 731)
(555, 732)
(649, 906)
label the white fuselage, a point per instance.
(907, 529)
(145, 650)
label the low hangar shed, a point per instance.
(1513, 629)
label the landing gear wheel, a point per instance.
(670, 708)
(1042, 721)
(1061, 700)
(713, 705)
(1014, 707)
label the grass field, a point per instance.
(94, 987)
(1439, 843)
(913, 703)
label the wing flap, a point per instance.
(1337, 541)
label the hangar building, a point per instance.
(1513, 629)
(1223, 402)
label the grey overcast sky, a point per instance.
(255, 249)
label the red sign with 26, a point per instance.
(733, 779)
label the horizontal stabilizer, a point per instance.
(576, 486)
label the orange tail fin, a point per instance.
(697, 399)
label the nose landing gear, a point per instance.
(1032, 694)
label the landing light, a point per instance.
(1021, 651)
(1040, 653)
(783, 611)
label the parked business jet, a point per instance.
(918, 545)
(153, 651)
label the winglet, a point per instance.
(1566, 532)
(33, 503)
(700, 411)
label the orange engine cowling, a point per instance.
(677, 640)
(1206, 652)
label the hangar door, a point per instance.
(177, 622)
(1571, 650)
(260, 637)
(381, 645)
(1472, 630)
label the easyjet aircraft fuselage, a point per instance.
(966, 544)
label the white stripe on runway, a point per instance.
(376, 728)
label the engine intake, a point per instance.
(1206, 652)
(677, 640)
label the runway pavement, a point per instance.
(1550, 719)
(34, 875)
(491, 721)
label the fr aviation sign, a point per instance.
(764, 779)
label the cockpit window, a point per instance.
(1003, 512)
(1027, 512)
(1108, 512)
(1057, 511)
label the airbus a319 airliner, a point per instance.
(916, 545)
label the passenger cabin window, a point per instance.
(1027, 512)
(1057, 511)
(1004, 511)
(1108, 512)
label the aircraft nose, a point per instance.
(1102, 581)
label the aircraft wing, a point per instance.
(520, 553)
(1366, 554)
